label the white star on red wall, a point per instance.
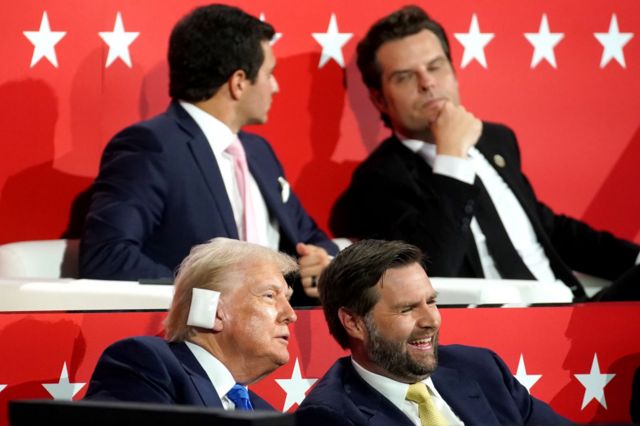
(44, 42)
(64, 389)
(594, 383)
(543, 43)
(296, 387)
(612, 43)
(118, 41)
(332, 42)
(526, 380)
(474, 43)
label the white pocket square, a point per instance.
(285, 189)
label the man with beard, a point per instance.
(378, 302)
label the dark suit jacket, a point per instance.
(150, 369)
(474, 382)
(395, 195)
(160, 192)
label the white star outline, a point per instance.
(276, 36)
(612, 43)
(474, 43)
(332, 42)
(543, 43)
(2, 387)
(118, 41)
(44, 42)
(63, 390)
(526, 380)
(594, 383)
(296, 387)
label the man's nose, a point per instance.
(429, 317)
(287, 314)
(426, 80)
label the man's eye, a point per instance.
(270, 295)
(406, 310)
(401, 78)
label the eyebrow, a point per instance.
(407, 303)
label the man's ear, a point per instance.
(237, 83)
(218, 323)
(378, 100)
(353, 324)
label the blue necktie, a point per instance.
(239, 395)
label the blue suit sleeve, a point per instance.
(129, 370)
(127, 203)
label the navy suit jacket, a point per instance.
(150, 369)
(160, 192)
(395, 195)
(474, 382)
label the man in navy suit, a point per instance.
(212, 362)
(169, 183)
(453, 185)
(379, 303)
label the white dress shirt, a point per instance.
(220, 377)
(396, 392)
(220, 137)
(513, 217)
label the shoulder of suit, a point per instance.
(386, 155)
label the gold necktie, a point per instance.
(429, 414)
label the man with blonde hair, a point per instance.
(209, 363)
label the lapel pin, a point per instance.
(499, 160)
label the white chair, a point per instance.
(40, 259)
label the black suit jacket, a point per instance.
(150, 369)
(160, 192)
(474, 382)
(395, 195)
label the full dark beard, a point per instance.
(393, 357)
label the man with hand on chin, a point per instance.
(227, 328)
(453, 185)
(379, 303)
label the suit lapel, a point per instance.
(372, 404)
(208, 167)
(420, 173)
(464, 397)
(269, 188)
(198, 376)
(489, 150)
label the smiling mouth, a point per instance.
(423, 344)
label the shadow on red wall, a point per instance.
(35, 197)
(612, 208)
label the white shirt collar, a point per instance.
(217, 133)
(218, 374)
(393, 390)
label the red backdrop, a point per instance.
(556, 343)
(578, 122)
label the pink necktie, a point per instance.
(241, 170)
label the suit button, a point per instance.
(468, 208)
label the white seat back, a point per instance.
(40, 259)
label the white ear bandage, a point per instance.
(204, 305)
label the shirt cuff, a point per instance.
(455, 167)
(638, 259)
